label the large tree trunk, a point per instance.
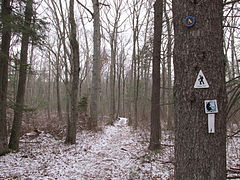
(199, 155)
(71, 130)
(96, 76)
(4, 55)
(18, 111)
(155, 100)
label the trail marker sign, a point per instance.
(201, 81)
(211, 123)
(210, 106)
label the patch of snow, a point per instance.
(121, 121)
(117, 153)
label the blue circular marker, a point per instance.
(189, 21)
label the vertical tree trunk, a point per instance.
(113, 77)
(49, 89)
(96, 76)
(199, 155)
(163, 89)
(169, 69)
(155, 100)
(59, 107)
(71, 130)
(19, 106)
(4, 55)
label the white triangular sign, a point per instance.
(201, 81)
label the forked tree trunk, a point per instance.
(19, 106)
(4, 55)
(155, 100)
(199, 155)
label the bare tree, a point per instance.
(155, 106)
(71, 130)
(95, 90)
(18, 111)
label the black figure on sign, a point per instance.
(200, 79)
(209, 107)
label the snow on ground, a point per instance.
(117, 153)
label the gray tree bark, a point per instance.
(199, 155)
(96, 79)
(19, 106)
(4, 55)
(71, 130)
(155, 100)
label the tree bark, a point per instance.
(19, 106)
(71, 130)
(96, 76)
(199, 155)
(169, 69)
(155, 100)
(4, 55)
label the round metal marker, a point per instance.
(189, 21)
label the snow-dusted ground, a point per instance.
(116, 153)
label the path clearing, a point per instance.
(116, 153)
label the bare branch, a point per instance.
(231, 2)
(104, 4)
(85, 7)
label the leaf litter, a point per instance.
(116, 153)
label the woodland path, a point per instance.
(116, 153)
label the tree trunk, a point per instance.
(169, 69)
(199, 155)
(96, 76)
(49, 89)
(112, 77)
(58, 74)
(71, 130)
(4, 55)
(19, 106)
(155, 101)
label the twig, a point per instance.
(168, 145)
(104, 4)
(30, 142)
(85, 7)
(234, 170)
(231, 2)
(235, 133)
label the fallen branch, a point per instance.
(30, 142)
(234, 170)
(168, 145)
(234, 134)
(233, 177)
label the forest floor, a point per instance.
(117, 152)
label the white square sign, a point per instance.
(210, 106)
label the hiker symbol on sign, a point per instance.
(201, 81)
